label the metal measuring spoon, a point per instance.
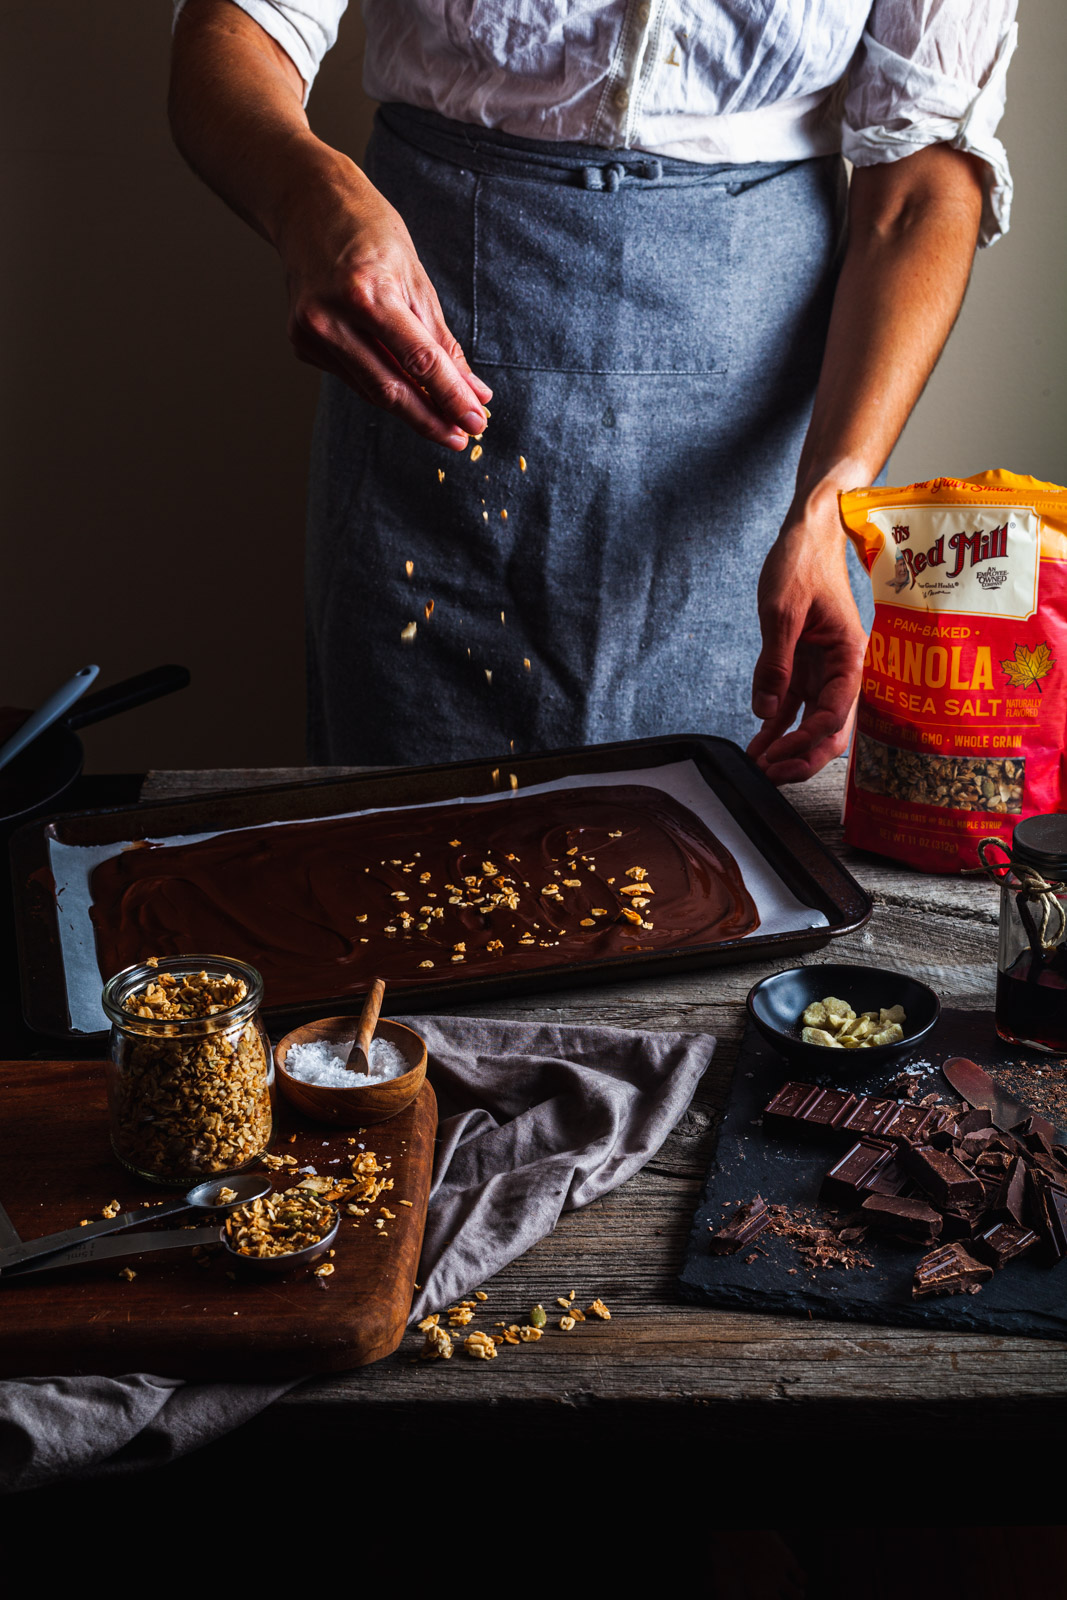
(143, 1244)
(203, 1197)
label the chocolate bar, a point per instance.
(747, 1222)
(800, 1107)
(909, 1219)
(946, 1180)
(804, 1107)
(950, 1269)
(1003, 1242)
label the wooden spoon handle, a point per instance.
(368, 1017)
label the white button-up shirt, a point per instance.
(700, 80)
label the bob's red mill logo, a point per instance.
(963, 549)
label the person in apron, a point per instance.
(585, 564)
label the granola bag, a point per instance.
(962, 707)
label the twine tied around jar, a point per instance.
(1031, 886)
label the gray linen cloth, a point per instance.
(534, 1120)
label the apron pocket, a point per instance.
(635, 280)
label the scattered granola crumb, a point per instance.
(480, 1345)
(438, 1342)
(599, 1309)
(566, 1323)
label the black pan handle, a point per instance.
(127, 694)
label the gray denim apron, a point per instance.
(652, 331)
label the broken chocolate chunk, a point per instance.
(748, 1221)
(950, 1269)
(848, 1180)
(1047, 1207)
(947, 1181)
(1035, 1132)
(977, 1117)
(1010, 1202)
(1003, 1242)
(908, 1219)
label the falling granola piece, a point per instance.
(428, 610)
(408, 632)
(522, 463)
(409, 567)
(476, 453)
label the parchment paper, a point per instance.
(72, 866)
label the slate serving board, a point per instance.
(176, 1318)
(1024, 1298)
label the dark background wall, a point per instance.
(154, 425)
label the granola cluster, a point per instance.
(499, 887)
(484, 1346)
(959, 783)
(189, 1104)
(279, 1224)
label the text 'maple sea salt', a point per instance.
(320, 1063)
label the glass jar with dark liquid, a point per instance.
(1032, 955)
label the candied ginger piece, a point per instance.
(891, 1034)
(819, 1036)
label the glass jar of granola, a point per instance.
(191, 1072)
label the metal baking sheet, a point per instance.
(802, 893)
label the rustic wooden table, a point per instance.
(665, 1371)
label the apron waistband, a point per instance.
(584, 166)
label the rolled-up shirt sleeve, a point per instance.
(933, 72)
(305, 29)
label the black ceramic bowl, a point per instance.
(776, 1005)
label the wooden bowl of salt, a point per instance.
(363, 1103)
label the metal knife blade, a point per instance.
(978, 1089)
(9, 1234)
(117, 1246)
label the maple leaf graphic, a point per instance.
(1027, 666)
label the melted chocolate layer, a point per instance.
(415, 896)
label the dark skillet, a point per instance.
(47, 768)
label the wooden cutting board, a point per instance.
(176, 1318)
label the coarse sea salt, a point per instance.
(320, 1063)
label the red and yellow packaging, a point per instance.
(963, 704)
